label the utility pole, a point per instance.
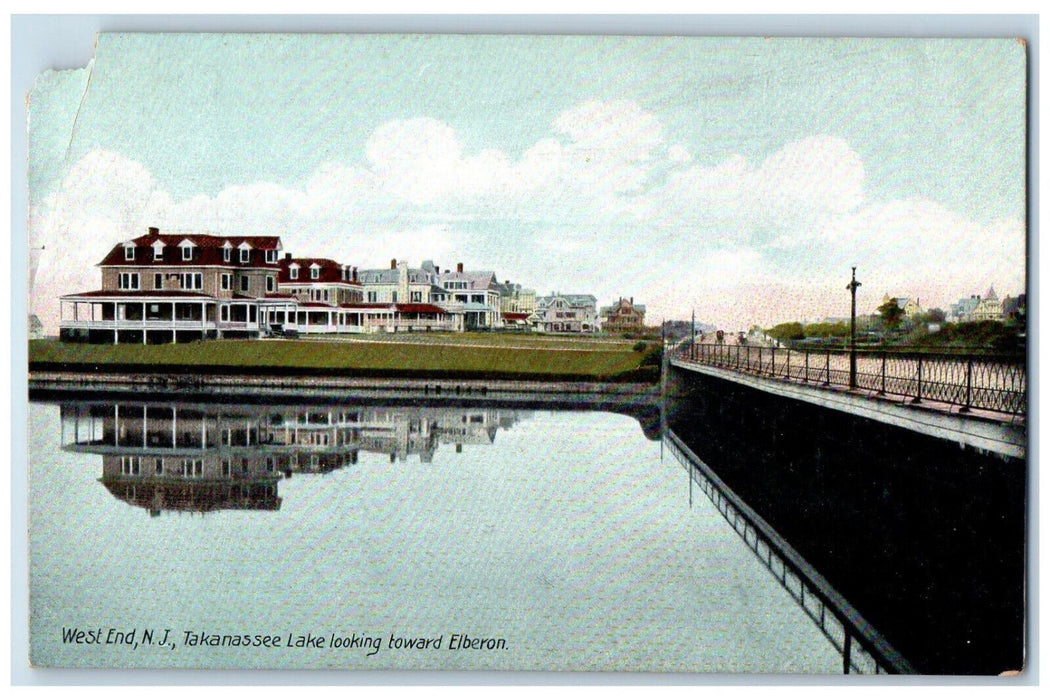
(852, 287)
(692, 333)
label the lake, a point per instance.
(357, 535)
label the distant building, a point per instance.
(1015, 309)
(962, 310)
(565, 313)
(910, 307)
(623, 316)
(989, 308)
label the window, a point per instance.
(129, 280)
(187, 252)
(226, 466)
(394, 297)
(129, 466)
(417, 296)
(226, 254)
(129, 252)
(315, 273)
(226, 281)
(245, 255)
(191, 280)
(270, 284)
(225, 313)
(293, 272)
(192, 467)
(159, 466)
(271, 255)
(158, 281)
(158, 252)
(244, 283)
(371, 296)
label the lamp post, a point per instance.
(692, 336)
(852, 287)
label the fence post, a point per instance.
(882, 391)
(787, 363)
(773, 361)
(827, 367)
(758, 368)
(918, 391)
(969, 375)
(805, 377)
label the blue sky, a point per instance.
(739, 177)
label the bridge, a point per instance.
(978, 400)
(889, 500)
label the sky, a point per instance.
(737, 178)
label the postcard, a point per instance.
(529, 353)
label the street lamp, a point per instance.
(852, 287)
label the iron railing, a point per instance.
(863, 648)
(987, 382)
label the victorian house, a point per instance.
(565, 313)
(471, 297)
(404, 299)
(623, 316)
(165, 288)
(324, 292)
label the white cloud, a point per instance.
(603, 204)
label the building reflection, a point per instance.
(197, 458)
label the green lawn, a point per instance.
(407, 359)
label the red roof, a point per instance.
(420, 309)
(123, 293)
(403, 308)
(514, 316)
(207, 250)
(328, 271)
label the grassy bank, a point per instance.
(555, 361)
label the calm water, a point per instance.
(563, 537)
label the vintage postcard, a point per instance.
(529, 353)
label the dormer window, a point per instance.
(226, 252)
(315, 272)
(129, 252)
(187, 247)
(271, 255)
(245, 255)
(293, 272)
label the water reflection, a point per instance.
(200, 458)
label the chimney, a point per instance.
(288, 257)
(353, 274)
(459, 267)
(506, 283)
(393, 263)
(437, 270)
(632, 301)
(153, 230)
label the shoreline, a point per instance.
(239, 385)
